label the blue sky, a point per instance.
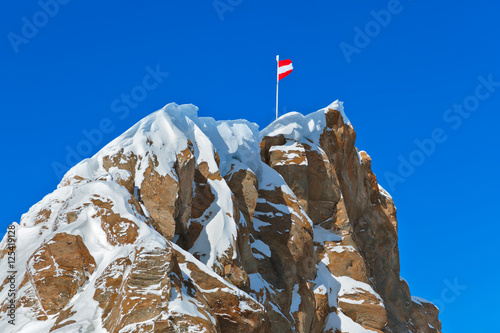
(420, 81)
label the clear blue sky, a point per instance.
(67, 73)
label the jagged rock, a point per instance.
(183, 224)
(126, 162)
(236, 312)
(138, 291)
(58, 269)
(185, 169)
(159, 194)
(426, 313)
(345, 261)
(118, 230)
(365, 309)
(244, 184)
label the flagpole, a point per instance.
(277, 82)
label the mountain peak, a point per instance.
(185, 223)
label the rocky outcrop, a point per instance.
(425, 313)
(185, 224)
(136, 291)
(168, 197)
(58, 269)
(338, 190)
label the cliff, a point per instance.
(187, 224)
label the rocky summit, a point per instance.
(187, 224)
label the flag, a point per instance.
(284, 68)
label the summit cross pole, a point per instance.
(277, 82)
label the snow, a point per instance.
(336, 287)
(359, 156)
(351, 286)
(228, 287)
(326, 283)
(420, 300)
(291, 151)
(340, 248)
(183, 303)
(339, 106)
(258, 224)
(279, 207)
(25, 324)
(31, 237)
(160, 137)
(163, 135)
(343, 323)
(258, 283)
(344, 285)
(321, 235)
(220, 230)
(384, 192)
(290, 146)
(272, 181)
(296, 299)
(235, 141)
(235, 167)
(261, 248)
(303, 129)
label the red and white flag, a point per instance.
(284, 68)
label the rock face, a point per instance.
(187, 224)
(58, 269)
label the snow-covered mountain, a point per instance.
(187, 224)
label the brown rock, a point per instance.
(426, 313)
(201, 201)
(143, 294)
(345, 261)
(237, 276)
(159, 194)
(370, 313)
(109, 283)
(118, 230)
(42, 216)
(203, 196)
(185, 169)
(267, 143)
(244, 184)
(306, 313)
(58, 269)
(63, 319)
(125, 162)
(309, 174)
(289, 237)
(334, 191)
(227, 305)
(321, 311)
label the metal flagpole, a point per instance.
(277, 82)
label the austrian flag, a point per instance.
(284, 68)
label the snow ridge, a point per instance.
(161, 137)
